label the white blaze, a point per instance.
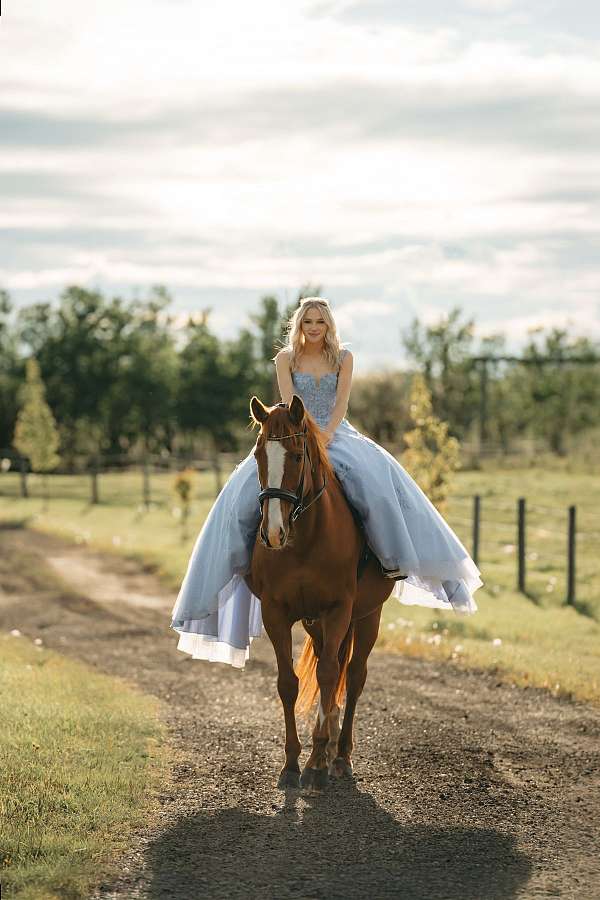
(275, 460)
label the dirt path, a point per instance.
(464, 788)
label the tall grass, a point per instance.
(82, 756)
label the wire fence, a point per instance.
(552, 550)
(98, 480)
(546, 551)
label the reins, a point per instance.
(297, 497)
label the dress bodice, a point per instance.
(317, 396)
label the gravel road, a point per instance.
(464, 787)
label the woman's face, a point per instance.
(314, 326)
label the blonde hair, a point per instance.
(332, 346)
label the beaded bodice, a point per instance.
(318, 398)
(319, 395)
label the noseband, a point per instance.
(296, 498)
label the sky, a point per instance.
(407, 158)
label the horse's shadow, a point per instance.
(339, 845)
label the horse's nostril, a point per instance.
(281, 535)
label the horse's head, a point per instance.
(283, 462)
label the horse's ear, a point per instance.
(258, 411)
(296, 409)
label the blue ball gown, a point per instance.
(216, 614)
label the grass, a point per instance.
(81, 755)
(548, 495)
(553, 648)
(120, 523)
(532, 639)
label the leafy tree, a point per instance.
(36, 434)
(109, 363)
(210, 389)
(78, 345)
(268, 322)
(443, 352)
(148, 375)
(431, 455)
(10, 371)
(562, 397)
(379, 406)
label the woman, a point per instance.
(215, 613)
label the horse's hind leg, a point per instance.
(329, 730)
(365, 635)
(335, 626)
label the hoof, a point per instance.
(340, 768)
(314, 781)
(289, 778)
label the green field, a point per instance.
(533, 639)
(82, 756)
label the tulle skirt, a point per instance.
(216, 614)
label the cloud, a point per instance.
(535, 21)
(519, 110)
(407, 157)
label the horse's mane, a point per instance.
(316, 445)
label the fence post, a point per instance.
(571, 557)
(94, 478)
(521, 544)
(146, 482)
(476, 521)
(23, 474)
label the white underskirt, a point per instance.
(201, 646)
(413, 591)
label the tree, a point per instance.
(431, 455)
(379, 406)
(107, 362)
(36, 434)
(209, 390)
(443, 352)
(148, 375)
(78, 345)
(561, 397)
(10, 376)
(268, 322)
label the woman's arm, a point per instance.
(284, 376)
(342, 396)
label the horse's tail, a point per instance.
(307, 672)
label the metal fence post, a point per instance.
(521, 544)
(476, 523)
(571, 557)
(146, 482)
(94, 480)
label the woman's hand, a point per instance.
(327, 436)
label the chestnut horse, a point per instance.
(305, 567)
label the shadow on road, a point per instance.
(340, 845)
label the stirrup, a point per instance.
(394, 574)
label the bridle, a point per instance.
(296, 498)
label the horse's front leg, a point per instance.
(279, 630)
(365, 635)
(325, 734)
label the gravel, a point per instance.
(464, 787)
